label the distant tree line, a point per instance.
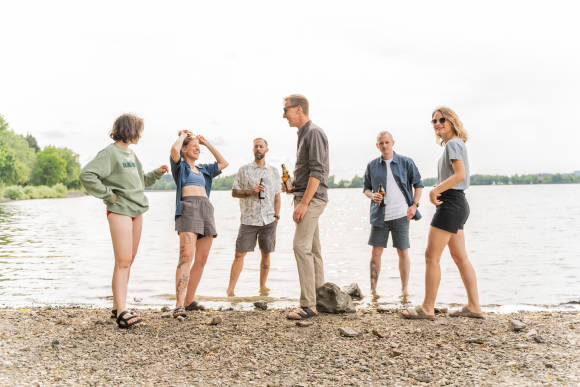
(538, 178)
(23, 163)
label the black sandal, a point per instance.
(179, 311)
(195, 306)
(307, 313)
(123, 322)
(113, 313)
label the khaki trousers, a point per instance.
(307, 251)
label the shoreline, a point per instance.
(83, 346)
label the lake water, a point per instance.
(522, 240)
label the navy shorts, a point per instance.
(399, 229)
(453, 213)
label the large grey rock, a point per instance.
(353, 291)
(330, 299)
(348, 332)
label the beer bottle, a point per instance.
(382, 192)
(286, 179)
(262, 194)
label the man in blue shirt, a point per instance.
(391, 212)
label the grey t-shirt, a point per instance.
(455, 149)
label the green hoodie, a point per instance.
(118, 172)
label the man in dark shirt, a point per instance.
(310, 198)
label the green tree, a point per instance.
(356, 182)
(73, 167)
(8, 173)
(50, 168)
(32, 142)
(23, 156)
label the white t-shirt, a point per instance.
(395, 204)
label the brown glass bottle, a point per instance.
(382, 192)
(262, 194)
(286, 179)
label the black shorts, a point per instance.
(453, 213)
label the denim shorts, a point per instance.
(399, 229)
(453, 213)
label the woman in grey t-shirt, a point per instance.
(450, 216)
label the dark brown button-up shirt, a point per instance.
(311, 160)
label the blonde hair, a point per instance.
(455, 122)
(385, 133)
(261, 139)
(298, 99)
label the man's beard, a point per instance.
(258, 156)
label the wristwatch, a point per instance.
(416, 204)
(277, 217)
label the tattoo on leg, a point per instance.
(374, 275)
(265, 266)
(182, 284)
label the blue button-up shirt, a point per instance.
(182, 169)
(406, 175)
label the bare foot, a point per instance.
(264, 291)
(230, 293)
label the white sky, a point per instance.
(511, 70)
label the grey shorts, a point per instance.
(266, 236)
(196, 217)
(399, 229)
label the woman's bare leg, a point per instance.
(201, 253)
(436, 243)
(187, 242)
(459, 255)
(122, 234)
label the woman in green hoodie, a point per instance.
(116, 176)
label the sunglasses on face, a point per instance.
(289, 107)
(441, 120)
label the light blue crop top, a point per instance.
(192, 178)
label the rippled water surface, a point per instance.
(522, 240)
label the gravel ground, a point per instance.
(73, 346)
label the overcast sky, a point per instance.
(511, 70)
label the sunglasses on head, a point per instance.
(441, 120)
(289, 107)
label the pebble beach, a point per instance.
(80, 346)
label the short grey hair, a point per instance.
(384, 133)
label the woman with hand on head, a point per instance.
(116, 176)
(194, 219)
(450, 216)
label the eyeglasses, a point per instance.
(290, 107)
(441, 120)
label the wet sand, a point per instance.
(73, 346)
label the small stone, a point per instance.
(548, 365)
(531, 333)
(180, 318)
(137, 299)
(517, 325)
(348, 332)
(475, 340)
(55, 344)
(216, 320)
(304, 324)
(571, 326)
(379, 334)
(521, 346)
(539, 339)
(166, 309)
(423, 378)
(262, 305)
(7, 363)
(166, 315)
(383, 309)
(395, 353)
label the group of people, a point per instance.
(392, 182)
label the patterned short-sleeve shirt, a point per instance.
(255, 211)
